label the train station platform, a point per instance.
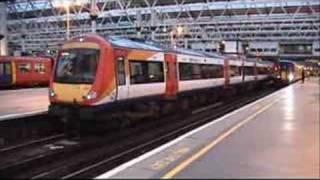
(274, 137)
(23, 102)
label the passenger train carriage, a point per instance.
(24, 71)
(290, 71)
(95, 74)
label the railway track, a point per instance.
(95, 154)
(25, 131)
(31, 143)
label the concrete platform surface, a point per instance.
(274, 137)
(21, 102)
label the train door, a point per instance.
(226, 73)
(242, 70)
(255, 70)
(171, 74)
(5, 74)
(33, 74)
(122, 78)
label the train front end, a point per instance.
(83, 78)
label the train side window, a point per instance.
(190, 71)
(235, 71)
(24, 68)
(185, 71)
(121, 73)
(1, 68)
(218, 71)
(267, 70)
(212, 71)
(155, 72)
(260, 70)
(249, 70)
(146, 72)
(206, 72)
(40, 68)
(7, 68)
(196, 71)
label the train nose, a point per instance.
(91, 95)
(71, 93)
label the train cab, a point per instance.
(290, 71)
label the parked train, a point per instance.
(290, 71)
(94, 74)
(24, 71)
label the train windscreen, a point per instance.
(77, 66)
(287, 67)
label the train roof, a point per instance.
(214, 55)
(128, 43)
(155, 46)
(297, 64)
(287, 61)
(21, 58)
(136, 43)
(149, 45)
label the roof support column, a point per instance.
(153, 24)
(138, 23)
(93, 16)
(3, 29)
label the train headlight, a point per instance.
(90, 95)
(52, 93)
(290, 77)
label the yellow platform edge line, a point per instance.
(208, 147)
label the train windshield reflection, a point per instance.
(77, 66)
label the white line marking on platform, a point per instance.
(19, 115)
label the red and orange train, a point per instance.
(24, 71)
(94, 74)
